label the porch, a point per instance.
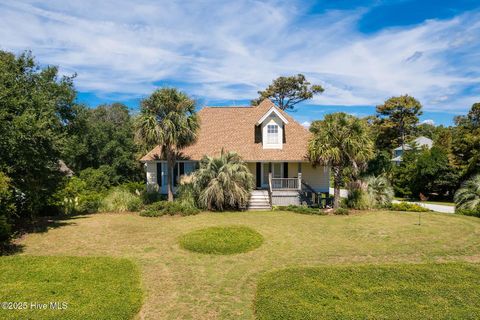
(292, 183)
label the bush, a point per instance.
(380, 191)
(467, 212)
(162, 208)
(300, 209)
(120, 200)
(150, 197)
(341, 212)
(370, 192)
(138, 188)
(406, 206)
(223, 183)
(359, 200)
(7, 207)
(187, 194)
(89, 202)
(5, 229)
(97, 179)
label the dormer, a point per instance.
(271, 125)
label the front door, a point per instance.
(277, 172)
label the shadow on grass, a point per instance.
(9, 249)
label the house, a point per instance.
(420, 142)
(272, 143)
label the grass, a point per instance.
(222, 240)
(91, 288)
(180, 284)
(423, 291)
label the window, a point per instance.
(272, 134)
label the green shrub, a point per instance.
(162, 208)
(89, 202)
(341, 212)
(138, 188)
(406, 206)
(5, 229)
(300, 209)
(380, 191)
(7, 207)
(120, 200)
(98, 179)
(359, 199)
(187, 194)
(467, 212)
(223, 183)
(150, 197)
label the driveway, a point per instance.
(433, 207)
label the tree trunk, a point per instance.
(170, 164)
(337, 178)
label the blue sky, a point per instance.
(222, 53)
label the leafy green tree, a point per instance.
(286, 92)
(35, 106)
(167, 118)
(466, 142)
(223, 182)
(7, 207)
(343, 142)
(103, 136)
(397, 118)
(468, 196)
(426, 172)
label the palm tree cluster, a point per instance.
(468, 196)
(223, 182)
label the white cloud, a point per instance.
(229, 51)
(428, 121)
(306, 124)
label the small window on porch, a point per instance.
(272, 134)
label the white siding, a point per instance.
(318, 178)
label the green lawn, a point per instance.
(422, 291)
(82, 287)
(222, 240)
(180, 284)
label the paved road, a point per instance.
(433, 207)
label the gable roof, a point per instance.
(419, 142)
(269, 112)
(233, 129)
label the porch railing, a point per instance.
(286, 183)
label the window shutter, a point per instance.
(159, 174)
(175, 174)
(258, 134)
(182, 168)
(285, 169)
(284, 136)
(259, 175)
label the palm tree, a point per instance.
(468, 196)
(380, 190)
(343, 142)
(168, 119)
(223, 182)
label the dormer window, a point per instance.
(272, 126)
(272, 134)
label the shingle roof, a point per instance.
(233, 129)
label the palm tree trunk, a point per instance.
(170, 164)
(336, 187)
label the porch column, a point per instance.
(299, 181)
